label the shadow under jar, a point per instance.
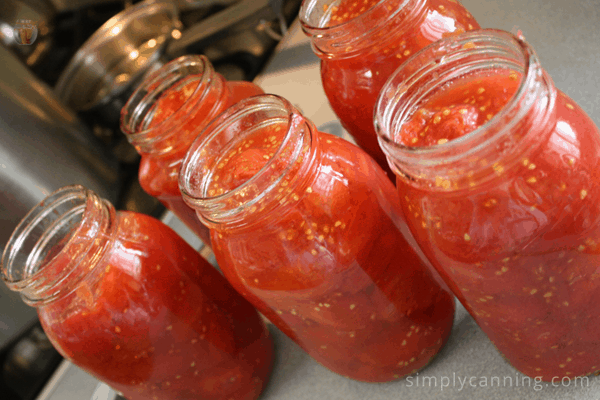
(164, 115)
(498, 175)
(362, 42)
(121, 295)
(307, 227)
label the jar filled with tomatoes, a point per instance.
(497, 174)
(162, 117)
(308, 228)
(122, 296)
(362, 42)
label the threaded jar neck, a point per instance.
(263, 147)
(355, 35)
(57, 245)
(152, 129)
(501, 141)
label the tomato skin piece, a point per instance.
(352, 82)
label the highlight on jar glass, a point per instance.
(307, 227)
(126, 299)
(362, 42)
(496, 170)
(162, 117)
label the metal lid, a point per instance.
(117, 54)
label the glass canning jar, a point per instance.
(362, 42)
(121, 295)
(161, 119)
(497, 171)
(307, 227)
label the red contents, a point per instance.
(459, 109)
(162, 323)
(521, 253)
(349, 9)
(173, 100)
(352, 83)
(159, 173)
(329, 266)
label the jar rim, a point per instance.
(193, 184)
(134, 110)
(388, 115)
(27, 262)
(347, 36)
(307, 9)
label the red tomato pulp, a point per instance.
(172, 123)
(329, 265)
(521, 252)
(355, 73)
(162, 323)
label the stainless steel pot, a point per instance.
(43, 146)
(117, 55)
(103, 72)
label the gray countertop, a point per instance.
(566, 36)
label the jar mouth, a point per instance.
(238, 125)
(58, 222)
(349, 37)
(441, 62)
(139, 111)
(316, 14)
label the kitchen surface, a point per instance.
(567, 40)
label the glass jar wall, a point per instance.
(162, 118)
(497, 171)
(362, 42)
(307, 227)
